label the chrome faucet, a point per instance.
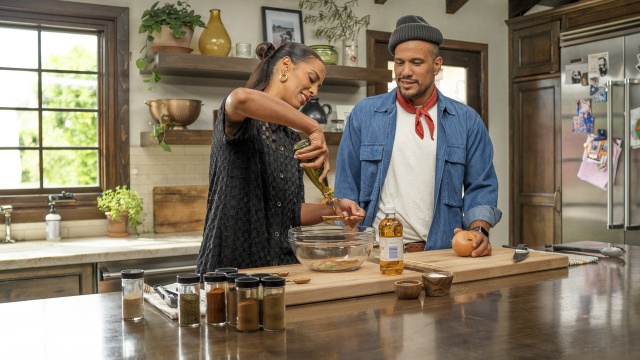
(7, 209)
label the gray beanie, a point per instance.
(412, 27)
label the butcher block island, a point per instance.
(580, 312)
(367, 280)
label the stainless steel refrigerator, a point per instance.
(607, 98)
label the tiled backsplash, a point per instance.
(150, 167)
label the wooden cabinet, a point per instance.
(535, 50)
(536, 143)
(47, 282)
(215, 67)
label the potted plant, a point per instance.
(123, 207)
(171, 22)
(340, 23)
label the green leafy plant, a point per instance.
(175, 16)
(122, 200)
(160, 131)
(340, 22)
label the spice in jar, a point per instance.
(189, 300)
(215, 284)
(260, 305)
(232, 303)
(132, 289)
(248, 311)
(273, 303)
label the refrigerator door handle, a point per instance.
(610, 224)
(627, 155)
(557, 204)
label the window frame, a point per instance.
(113, 135)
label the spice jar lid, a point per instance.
(132, 274)
(227, 270)
(231, 278)
(247, 282)
(273, 281)
(188, 278)
(260, 275)
(215, 277)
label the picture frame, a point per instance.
(343, 111)
(280, 26)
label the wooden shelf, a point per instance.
(179, 137)
(203, 137)
(222, 67)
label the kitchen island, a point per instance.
(589, 311)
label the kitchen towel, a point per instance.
(154, 299)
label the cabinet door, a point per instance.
(536, 144)
(535, 50)
(43, 283)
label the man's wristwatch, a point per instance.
(481, 229)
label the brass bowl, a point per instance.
(182, 112)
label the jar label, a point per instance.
(391, 248)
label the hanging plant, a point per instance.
(340, 22)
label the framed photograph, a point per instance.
(343, 111)
(280, 26)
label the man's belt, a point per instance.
(414, 246)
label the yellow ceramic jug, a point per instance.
(215, 39)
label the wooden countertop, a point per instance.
(33, 254)
(588, 311)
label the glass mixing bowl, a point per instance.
(332, 248)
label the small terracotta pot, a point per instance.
(117, 228)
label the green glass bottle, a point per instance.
(314, 174)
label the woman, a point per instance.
(256, 189)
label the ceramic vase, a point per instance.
(215, 39)
(350, 52)
(316, 111)
(327, 53)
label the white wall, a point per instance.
(477, 21)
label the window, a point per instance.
(63, 105)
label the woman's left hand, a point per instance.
(351, 212)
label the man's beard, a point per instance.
(412, 95)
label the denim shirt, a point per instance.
(464, 160)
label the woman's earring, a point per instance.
(284, 77)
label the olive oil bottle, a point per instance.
(391, 243)
(314, 174)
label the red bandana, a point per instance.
(407, 105)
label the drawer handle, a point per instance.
(106, 275)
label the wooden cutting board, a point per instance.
(179, 208)
(339, 285)
(500, 263)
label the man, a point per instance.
(419, 150)
(602, 66)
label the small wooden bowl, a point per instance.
(408, 289)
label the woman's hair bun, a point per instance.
(264, 50)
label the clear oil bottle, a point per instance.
(391, 243)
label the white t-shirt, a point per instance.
(410, 181)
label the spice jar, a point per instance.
(189, 300)
(232, 303)
(132, 299)
(248, 312)
(260, 276)
(227, 270)
(273, 303)
(215, 289)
